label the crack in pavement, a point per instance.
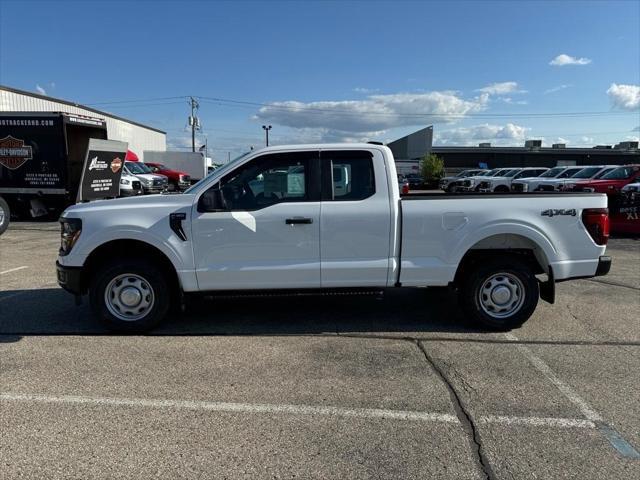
(613, 284)
(466, 420)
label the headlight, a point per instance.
(70, 229)
(124, 181)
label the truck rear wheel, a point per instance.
(500, 294)
(132, 296)
(5, 215)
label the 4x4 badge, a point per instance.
(553, 212)
(14, 153)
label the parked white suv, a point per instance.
(448, 183)
(503, 182)
(532, 184)
(130, 185)
(470, 184)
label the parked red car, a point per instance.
(623, 208)
(177, 180)
(612, 182)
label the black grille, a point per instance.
(546, 188)
(484, 185)
(517, 187)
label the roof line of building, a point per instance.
(77, 105)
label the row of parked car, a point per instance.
(140, 178)
(593, 178)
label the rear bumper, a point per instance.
(70, 278)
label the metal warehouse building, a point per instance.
(534, 155)
(139, 137)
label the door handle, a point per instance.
(298, 220)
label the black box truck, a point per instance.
(41, 160)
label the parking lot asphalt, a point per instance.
(394, 386)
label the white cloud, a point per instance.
(563, 59)
(373, 115)
(501, 88)
(40, 90)
(561, 140)
(511, 101)
(626, 97)
(557, 89)
(503, 134)
(366, 90)
(587, 141)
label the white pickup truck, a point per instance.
(327, 217)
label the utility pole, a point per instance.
(194, 122)
(266, 131)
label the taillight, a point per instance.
(596, 221)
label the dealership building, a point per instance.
(139, 137)
(410, 149)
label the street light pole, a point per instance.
(266, 129)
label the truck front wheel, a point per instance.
(500, 294)
(5, 215)
(132, 296)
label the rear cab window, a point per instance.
(347, 175)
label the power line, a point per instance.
(279, 106)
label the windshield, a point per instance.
(603, 172)
(490, 173)
(502, 173)
(587, 172)
(223, 168)
(512, 173)
(621, 173)
(137, 168)
(552, 173)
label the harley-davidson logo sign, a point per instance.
(116, 164)
(14, 153)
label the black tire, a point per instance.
(5, 215)
(474, 305)
(450, 189)
(501, 189)
(150, 275)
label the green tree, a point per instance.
(432, 168)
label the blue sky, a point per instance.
(326, 71)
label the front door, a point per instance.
(269, 234)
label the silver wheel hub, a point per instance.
(501, 295)
(129, 297)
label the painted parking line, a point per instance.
(14, 269)
(288, 409)
(616, 440)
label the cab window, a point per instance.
(347, 175)
(266, 181)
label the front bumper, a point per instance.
(70, 278)
(131, 193)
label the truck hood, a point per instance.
(168, 202)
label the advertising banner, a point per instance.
(102, 170)
(32, 153)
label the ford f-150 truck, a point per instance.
(279, 219)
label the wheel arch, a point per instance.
(500, 244)
(127, 248)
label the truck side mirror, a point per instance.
(212, 201)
